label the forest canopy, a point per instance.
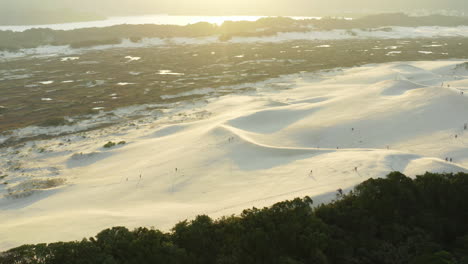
(395, 219)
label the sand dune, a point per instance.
(395, 87)
(326, 131)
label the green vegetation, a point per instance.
(91, 43)
(111, 144)
(215, 66)
(54, 121)
(263, 27)
(392, 220)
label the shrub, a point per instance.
(92, 43)
(55, 121)
(109, 144)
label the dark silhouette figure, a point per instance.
(450, 159)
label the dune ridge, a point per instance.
(327, 131)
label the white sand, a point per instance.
(243, 150)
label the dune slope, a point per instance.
(323, 132)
